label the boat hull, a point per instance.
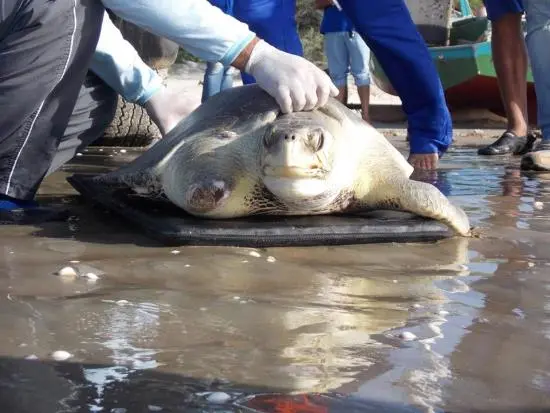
(468, 77)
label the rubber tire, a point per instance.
(131, 126)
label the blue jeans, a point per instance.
(537, 14)
(345, 51)
(216, 78)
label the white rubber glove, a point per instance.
(168, 106)
(294, 82)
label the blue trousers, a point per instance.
(387, 28)
(537, 13)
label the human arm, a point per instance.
(208, 33)
(198, 26)
(119, 65)
(390, 33)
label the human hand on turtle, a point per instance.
(294, 82)
(424, 161)
(168, 106)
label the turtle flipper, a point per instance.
(422, 199)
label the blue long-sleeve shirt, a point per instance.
(387, 28)
(224, 5)
(119, 65)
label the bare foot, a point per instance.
(424, 160)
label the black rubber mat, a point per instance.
(172, 226)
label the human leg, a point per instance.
(510, 61)
(93, 112)
(538, 41)
(359, 57)
(538, 38)
(45, 49)
(337, 55)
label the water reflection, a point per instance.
(461, 322)
(301, 325)
(508, 337)
(491, 353)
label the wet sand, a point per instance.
(460, 325)
(160, 324)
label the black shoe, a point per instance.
(33, 216)
(509, 142)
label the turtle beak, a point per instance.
(296, 153)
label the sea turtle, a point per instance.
(238, 155)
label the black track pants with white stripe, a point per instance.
(48, 100)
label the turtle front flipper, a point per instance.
(422, 199)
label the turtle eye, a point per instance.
(270, 138)
(317, 139)
(226, 134)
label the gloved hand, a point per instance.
(295, 83)
(168, 106)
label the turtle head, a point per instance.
(301, 156)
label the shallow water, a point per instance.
(162, 325)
